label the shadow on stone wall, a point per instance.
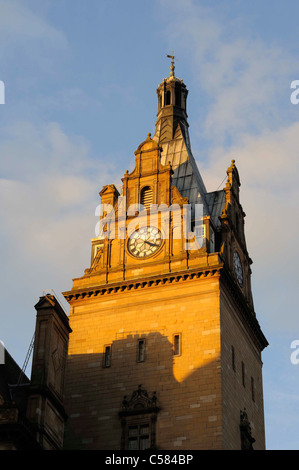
(189, 410)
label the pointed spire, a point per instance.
(173, 137)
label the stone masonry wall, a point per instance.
(188, 386)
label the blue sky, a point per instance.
(80, 96)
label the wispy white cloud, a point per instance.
(243, 77)
(269, 195)
(49, 185)
(19, 22)
(248, 118)
(28, 41)
(49, 191)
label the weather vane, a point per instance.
(172, 57)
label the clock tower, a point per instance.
(165, 349)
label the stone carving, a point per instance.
(140, 402)
(246, 438)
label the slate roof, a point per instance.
(187, 177)
(216, 202)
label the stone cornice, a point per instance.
(246, 314)
(146, 282)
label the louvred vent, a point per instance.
(146, 197)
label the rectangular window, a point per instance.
(141, 350)
(233, 359)
(243, 374)
(107, 356)
(139, 437)
(252, 389)
(177, 348)
(133, 438)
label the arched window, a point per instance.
(167, 97)
(160, 101)
(178, 97)
(146, 198)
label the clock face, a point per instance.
(145, 242)
(238, 268)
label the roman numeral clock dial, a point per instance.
(144, 242)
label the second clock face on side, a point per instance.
(144, 242)
(238, 268)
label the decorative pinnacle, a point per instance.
(232, 166)
(172, 57)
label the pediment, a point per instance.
(45, 302)
(108, 189)
(147, 145)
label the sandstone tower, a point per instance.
(165, 349)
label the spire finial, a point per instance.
(172, 57)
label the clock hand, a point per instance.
(150, 243)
